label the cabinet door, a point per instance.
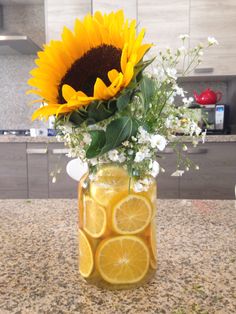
(216, 178)
(13, 170)
(64, 187)
(60, 13)
(167, 185)
(37, 165)
(106, 6)
(218, 19)
(164, 21)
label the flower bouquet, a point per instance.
(115, 109)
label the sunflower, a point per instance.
(95, 62)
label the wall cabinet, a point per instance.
(218, 19)
(106, 6)
(164, 21)
(13, 170)
(59, 13)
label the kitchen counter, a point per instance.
(52, 139)
(196, 273)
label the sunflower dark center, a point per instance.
(83, 73)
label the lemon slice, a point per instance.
(122, 259)
(81, 199)
(131, 215)
(86, 261)
(94, 218)
(153, 260)
(110, 181)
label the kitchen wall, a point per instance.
(14, 68)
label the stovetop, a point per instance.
(25, 132)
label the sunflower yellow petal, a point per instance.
(100, 89)
(124, 55)
(129, 72)
(68, 92)
(112, 75)
(142, 50)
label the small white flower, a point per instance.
(212, 41)
(139, 157)
(163, 170)
(87, 138)
(138, 187)
(187, 168)
(94, 161)
(184, 148)
(126, 143)
(121, 158)
(54, 179)
(197, 167)
(113, 155)
(179, 90)
(200, 53)
(158, 141)
(172, 72)
(182, 49)
(204, 136)
(187, 101)
(155, 169)
(177, 173)
(183, 36)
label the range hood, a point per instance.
(11, 43)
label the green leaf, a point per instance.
(123, 101)
(140, 67)
(118, 131)
(99, 110)
(147, 87)
(97, 143)
(77, 117)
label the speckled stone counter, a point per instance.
(49, 139)
(197, 261)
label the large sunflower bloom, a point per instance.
(95, 62)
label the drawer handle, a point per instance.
(204, 70)
(60, 151)
(37, 151)
(199, 151)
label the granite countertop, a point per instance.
(196, 273)
(52, 139)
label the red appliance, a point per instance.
(207, 97)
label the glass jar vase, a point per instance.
(117, 237)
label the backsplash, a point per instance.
(15, 113)
(221, 86)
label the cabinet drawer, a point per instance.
(167, 186)
(37, 158)
(216, 177)
(64, 187)
(13, 170)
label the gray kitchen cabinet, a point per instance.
(164, 21)
(216, 178)
(218, 19)
(64, 187)
(37, 167)
(167, 185)
(13, 170)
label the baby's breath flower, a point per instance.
(183, 36)
(212, 41)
